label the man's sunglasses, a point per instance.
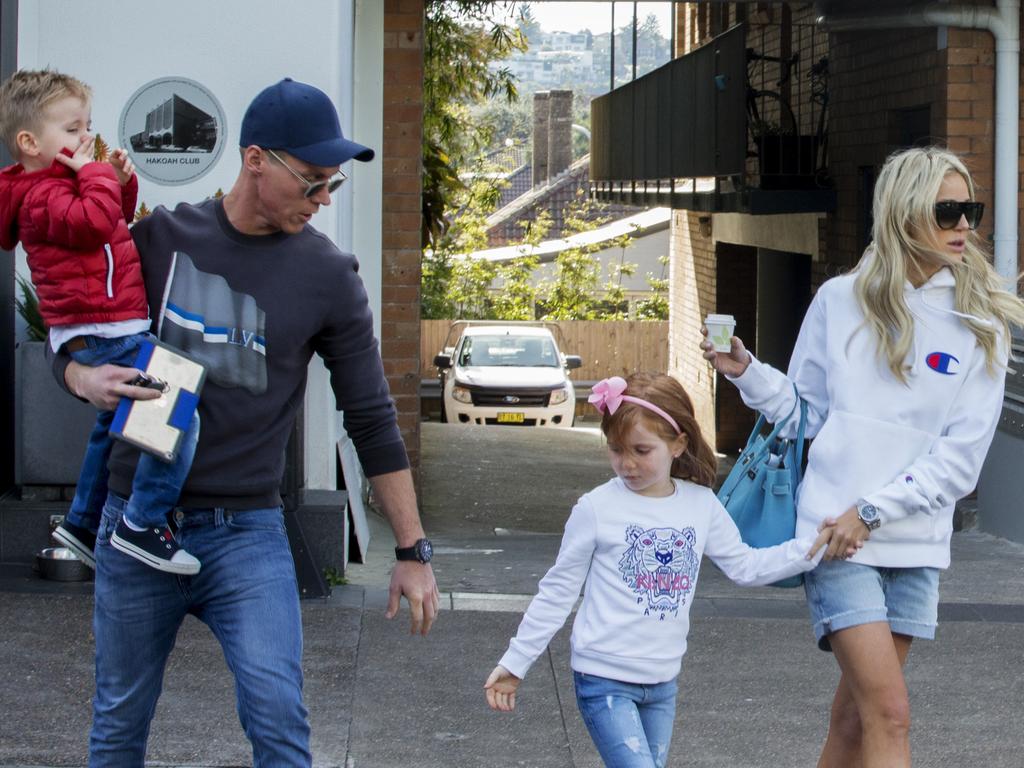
(312, 187)
(948, 213)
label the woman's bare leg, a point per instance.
(870, 722)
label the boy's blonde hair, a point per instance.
(26, 94)
(903, 238)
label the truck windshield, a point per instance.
(523, 351)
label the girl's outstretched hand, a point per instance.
(732, 363)
(500, 689)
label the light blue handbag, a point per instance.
(760, 491)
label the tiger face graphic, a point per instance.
(660, 566)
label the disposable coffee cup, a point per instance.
(720, 329)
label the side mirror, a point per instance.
(443, 360)
(573, 361)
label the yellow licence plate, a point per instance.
(510, 418)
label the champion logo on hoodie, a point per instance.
(943, 362)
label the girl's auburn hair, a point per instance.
(697, 463)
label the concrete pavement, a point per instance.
(754, 689)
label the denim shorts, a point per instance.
(841, 594)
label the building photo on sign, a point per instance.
(175, 130)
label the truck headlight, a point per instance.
(559, 396)
(462, 395)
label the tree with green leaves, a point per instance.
(462, 38)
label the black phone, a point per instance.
(150, 382)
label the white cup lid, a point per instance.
(720, 319)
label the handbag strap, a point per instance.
(799, 456)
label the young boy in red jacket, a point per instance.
(71, 215)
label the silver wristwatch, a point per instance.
(868, 514)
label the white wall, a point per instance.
(234, 48)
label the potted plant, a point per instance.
(51, 426)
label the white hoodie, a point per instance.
(909, 449)
(639, 557)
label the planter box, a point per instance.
(51, 427)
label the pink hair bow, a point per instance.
(608, 394)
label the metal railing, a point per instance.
(742, 114)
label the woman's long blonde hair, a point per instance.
(902, 235)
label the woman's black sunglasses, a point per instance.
(948, 213)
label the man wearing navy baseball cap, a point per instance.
(245, 285)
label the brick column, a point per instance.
(541, 116)
(402, 187)
(559, 132)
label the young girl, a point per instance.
(636, 543)
(902, 364)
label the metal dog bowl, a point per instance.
(60, 564)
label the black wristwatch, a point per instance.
(868, 514)
(421, 551)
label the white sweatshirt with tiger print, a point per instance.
(638, 559)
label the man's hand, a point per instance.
(733, 363)
(500, 689)
(848, 536)
(82, 155)
(415, 581)
(123, 166)
(105, 385)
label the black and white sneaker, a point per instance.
(79, 540)
(156, 547)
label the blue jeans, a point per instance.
(630, 723)
(246, 594)
(157, 484)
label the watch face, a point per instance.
(424, 550)
(868, 515)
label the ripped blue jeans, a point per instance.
(630, 723)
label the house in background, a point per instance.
(785, 112)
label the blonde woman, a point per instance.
(902, 364)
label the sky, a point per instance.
(573, 16)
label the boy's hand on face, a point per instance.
(81, 156)
(123, 165)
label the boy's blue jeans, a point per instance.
(157, 484)
(630, 723)
(246, 593)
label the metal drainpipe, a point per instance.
(1003, 22)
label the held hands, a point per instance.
(834, 533)
(415, 581)
(105, 385)
(123, 165)
(848, 536)
(82, 155)
(732, 363)
(500, 689)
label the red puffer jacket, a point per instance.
(84, 264)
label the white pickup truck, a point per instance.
(507, 373)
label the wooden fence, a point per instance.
(608, 347)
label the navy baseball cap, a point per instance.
(301, 120)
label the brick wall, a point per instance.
(401, 155)
(692, 288)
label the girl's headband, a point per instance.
(607, 395)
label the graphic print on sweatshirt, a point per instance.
(215, 325)
(660, 566)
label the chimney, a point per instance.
(559, 132)
(541, 114)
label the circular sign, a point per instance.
(174, 130)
